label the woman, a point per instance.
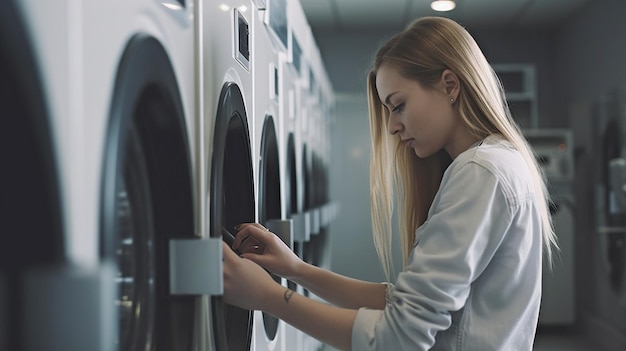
(472, 209)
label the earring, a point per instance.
(451, 100)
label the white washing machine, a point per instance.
(44, 297)
(292, 161)
(269, 41)
(320, 97)
(227, 125)
(137, 128)
(301, 39)
(292, 75)
(323, 100)
(57, 283)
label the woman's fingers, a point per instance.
(252, 237)
(243, 225)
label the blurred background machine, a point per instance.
(554, 150)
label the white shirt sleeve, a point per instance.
(467, 222)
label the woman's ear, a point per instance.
(451, 83)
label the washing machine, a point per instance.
(605, 308)
(268, 44)
(314, 93)
(137, 127)
(45, 296)
(289, 76)
(323, 96)
(554, 150)
(227, 124)
(53, 282)
(299, 42)
(293, 78)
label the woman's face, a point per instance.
(424, 119)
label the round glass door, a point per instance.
(147, 200)
(269, 198)
(231, 203)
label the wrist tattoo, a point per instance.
(287, 295)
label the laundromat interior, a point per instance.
(134, 132)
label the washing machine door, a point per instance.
(231, 203)
(147, 199)
(291, 181)
(291, 189)
(269, 198)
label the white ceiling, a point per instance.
(361, 15)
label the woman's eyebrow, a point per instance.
(388, 98)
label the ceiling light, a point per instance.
(442, 5)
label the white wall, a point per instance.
(352, 248)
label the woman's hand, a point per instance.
(263, 247)
(246, 284)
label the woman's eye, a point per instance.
(398, 108)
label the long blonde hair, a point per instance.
(422, 52)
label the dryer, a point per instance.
(227, 125)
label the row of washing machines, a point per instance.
(133, 134)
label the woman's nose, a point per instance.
(394, 126)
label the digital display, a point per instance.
(242, 40)
(296, 53)
(277, 20)
(244, 35)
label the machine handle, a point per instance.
(301, 227)
(196, 267)
(283, 228)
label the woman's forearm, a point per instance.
(329, 324)
(340, 290)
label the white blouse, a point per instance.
(473, 280)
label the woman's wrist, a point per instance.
(277, 294)
(299, 272)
